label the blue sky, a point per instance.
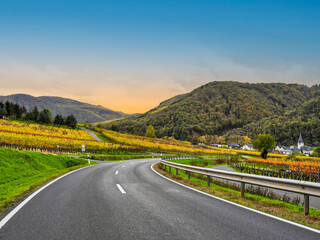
(120, 53)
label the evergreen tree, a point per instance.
(17, 111)
(71, 121)
(45, 116)
(35, 113)
(8, 107)
(3, 112)
(59, 120)
(150, 132)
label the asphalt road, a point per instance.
(127, 200)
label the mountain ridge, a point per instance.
(66, 106)
(217, 108)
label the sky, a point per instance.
(130, 55)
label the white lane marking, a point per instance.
(121, 189)
(16, 209)
(116, 172)
(123, 166)
(250, 209)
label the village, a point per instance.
(300, 148)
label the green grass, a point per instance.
(22, 172)
(290, 211)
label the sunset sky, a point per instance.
(131, 55)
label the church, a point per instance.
(305, 150)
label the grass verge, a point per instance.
(23, 172)
(274, 207)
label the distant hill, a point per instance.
(57, 105)
(218, 107)
(305, 119)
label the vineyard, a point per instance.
(34, 137)
(172, 145)
(306, 170)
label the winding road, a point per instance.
(128, 200)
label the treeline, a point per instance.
(286, 129)
(15, 111)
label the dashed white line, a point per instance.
(121, 189)
(116, 172)
(123, 166)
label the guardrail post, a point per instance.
(306, 204)
(165, 167)
(188, 175)
(242, 188)
(176, 171)
(208, 181)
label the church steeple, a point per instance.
(300, 142)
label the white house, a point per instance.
(247, 147)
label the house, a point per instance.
(247, 147)
(234, 145)
(219, 145)
(286, 151)
(307, 150)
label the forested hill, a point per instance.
(305, 119)
(64, 106)
(217, 107)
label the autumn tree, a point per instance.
(194, 140)
(316, 152)
(150, 132)
(264, 143)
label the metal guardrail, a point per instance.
(305, 188)
(180, 157)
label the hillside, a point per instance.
(64, 106)
(23, 171)
(305, 119)
(218, 107)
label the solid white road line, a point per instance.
(116, 172)
(250, 209)
(16, 209)
(121, 189)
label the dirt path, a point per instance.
(92, 134)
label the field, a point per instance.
(23, 171)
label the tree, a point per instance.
(35, 114)
(45, 116)
(316, 152)
(71, 121)
(264, 143)
(150, 132)
(59, 120)
(3, 112)
(114, 128)
(194, 140)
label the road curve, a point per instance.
(127, 200)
